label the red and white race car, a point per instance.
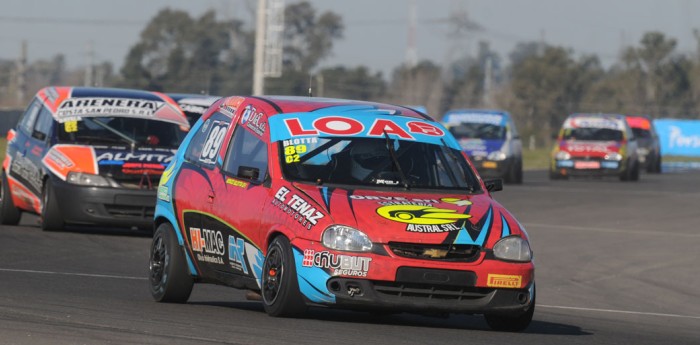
(597, 145)
(323, 202)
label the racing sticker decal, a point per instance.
(70, 126)
(395, 200)
(208, 245)
(504, 281)
(297, 208)
(237, 183)
(474, 234)
(339, 264)
(212, 144)
(73, 108)
(423, 219)
(254, 120)
(295, 148)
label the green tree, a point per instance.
(184, 54)
(308, 39)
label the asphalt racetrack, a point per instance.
(617, 263)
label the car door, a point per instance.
(195, 193)
(24, 173)
(242, 189)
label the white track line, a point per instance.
(618, 311)
(538, 306)
(609, 230)
(73, 274)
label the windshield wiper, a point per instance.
(459, 166)
(129, 140)
(395, 160)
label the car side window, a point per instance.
(206, 143)
(246, 153)
(513, 130)
(26, 123)
(42, 127)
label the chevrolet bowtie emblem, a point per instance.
(435, 253)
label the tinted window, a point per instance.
(369, 161)
(27, 122)
(595, 134)
(247, 150)
(42, 127)
(478, 131)
(641, 133)
(206, 143)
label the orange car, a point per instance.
(89, 156)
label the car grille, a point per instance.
(430, 291)
(124, 211)
(441, 252)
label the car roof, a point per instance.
(55, 97)
(298, 104)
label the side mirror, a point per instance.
(249, 173)
(39, 135)
(494, 185)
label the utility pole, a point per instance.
(22, 73)
(258, 62)
(411, 52)
(90, 68)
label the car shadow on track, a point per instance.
(468, 322)
(31, 220)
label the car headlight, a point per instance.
(562, 156)
(85, 179)
(345, 238)
(496, 156)
(513, 248)
(613, 156)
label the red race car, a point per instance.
(323, 202)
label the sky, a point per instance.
(376, 31)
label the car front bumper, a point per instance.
(113, 207)
(381, 280)
(493, 169)
(575, 167)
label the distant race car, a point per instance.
(490, 139)
(193, 105)
(595, 145)
(346, 204)
(648, 146)
(89, 156)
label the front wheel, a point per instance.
(51, 218)
(168, 276)
(9, 214)
(512, 323)
(280, 288)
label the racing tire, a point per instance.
(634, 174)
(51, 219)
(655, 166)
(169, 280)
(553, 175)
(280, 287)
(512, 323)
(515, 175)
(9, 214)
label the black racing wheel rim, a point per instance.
(273, 273)
(159, 254)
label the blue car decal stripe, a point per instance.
(505, 230)
(464, 237)
(312, 281)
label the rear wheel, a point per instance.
(9, 214)
(512, 323)
(280, 288)
(168, 276)
(51, 218)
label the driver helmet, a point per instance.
(367, 157)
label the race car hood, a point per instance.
(414, 217)
(480, 147)
(598, 149)
(118, 163)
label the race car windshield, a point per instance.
(369, 162)
(641, 133)
(487, 131)
(593, 134)
(121, 131)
